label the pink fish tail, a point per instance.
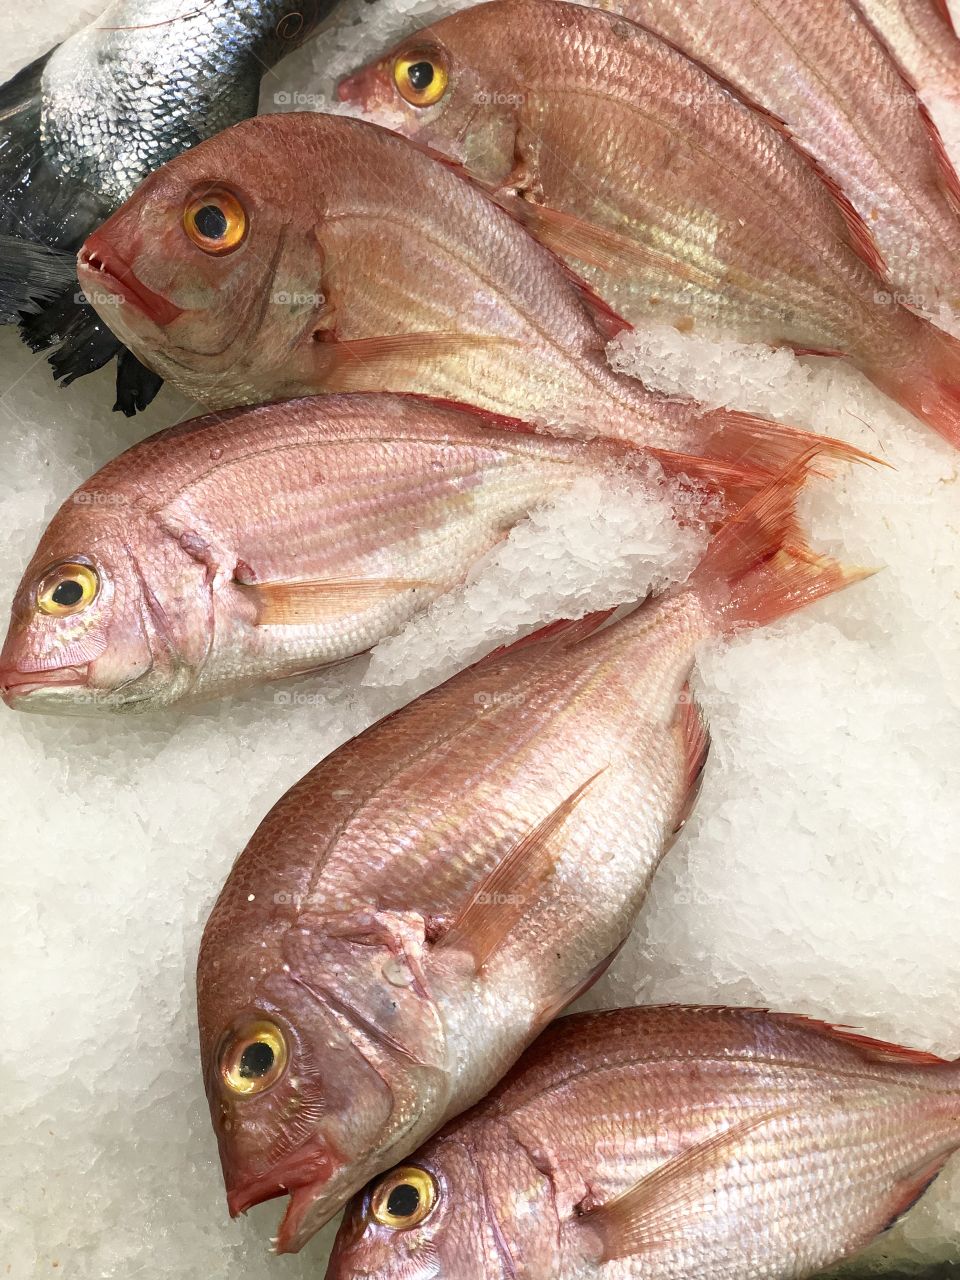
(759, 566)
(927, 380)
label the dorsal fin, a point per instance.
(878, 1050)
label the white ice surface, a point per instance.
(819, 873)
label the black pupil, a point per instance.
(256, 1060)
(421, 76)
(68, 592)
(404, 1201)
(211, 222)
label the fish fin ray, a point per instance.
(949, 180)
(318, 600)
(362, 364)
(877, 1050)
(657, 1208)
(912, 1188)
(558, 1003)
(504, 896)
(568, 631)
(759, 567)
(695, 737)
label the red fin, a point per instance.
(928, 383)
(759, 567)
(877, 1050)
(659, 1208)
(364, 364)
(750, 441)
(509, 891)
(859, 234)
(319, 600)
(948, 174)
(696, 747)
(909, 1190)
(557, 1005)
(568, 630)
(572, 237)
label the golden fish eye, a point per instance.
(253, 1058)
(67, 589)
(421, 77)
(215, 221)
(404, 1198)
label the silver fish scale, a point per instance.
(151, 78)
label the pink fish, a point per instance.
(414, 911)
(266, 542)
(665, 1143)
(920, 35)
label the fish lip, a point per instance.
(114, 274)
(302, 1181)
(16, 684)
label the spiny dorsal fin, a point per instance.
(509, 891)
(658, 1209)
(878, 1050)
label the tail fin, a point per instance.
(30, 274)
(927, 382)
(759, 567)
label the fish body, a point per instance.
(81, 127)
(663, 1143)
(267, 542)
(348, 259)
(921, 37)
(411, 914)
(665, 192)
(816, 66)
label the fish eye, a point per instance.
(404, 1198)
(253, 1058)
(421, 77)
(215, 220)
(67, 589)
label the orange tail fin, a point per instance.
(759, 566)
(928, 381)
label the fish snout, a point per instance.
(109, 282)
(17, 685)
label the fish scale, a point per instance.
(921, 37)
(415, 909)
(830, 1136)
(675, 201)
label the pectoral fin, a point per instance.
(321, 599)
(364, 364)
(666, 1203)
(509, 891)
(618, 255)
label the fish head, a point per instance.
(314, 1071)
(205, 272)
(87, 633)
(454, 87)
(429, 1218)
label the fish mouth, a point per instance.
(111, 274)
(17, 686)
(304, 1182)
